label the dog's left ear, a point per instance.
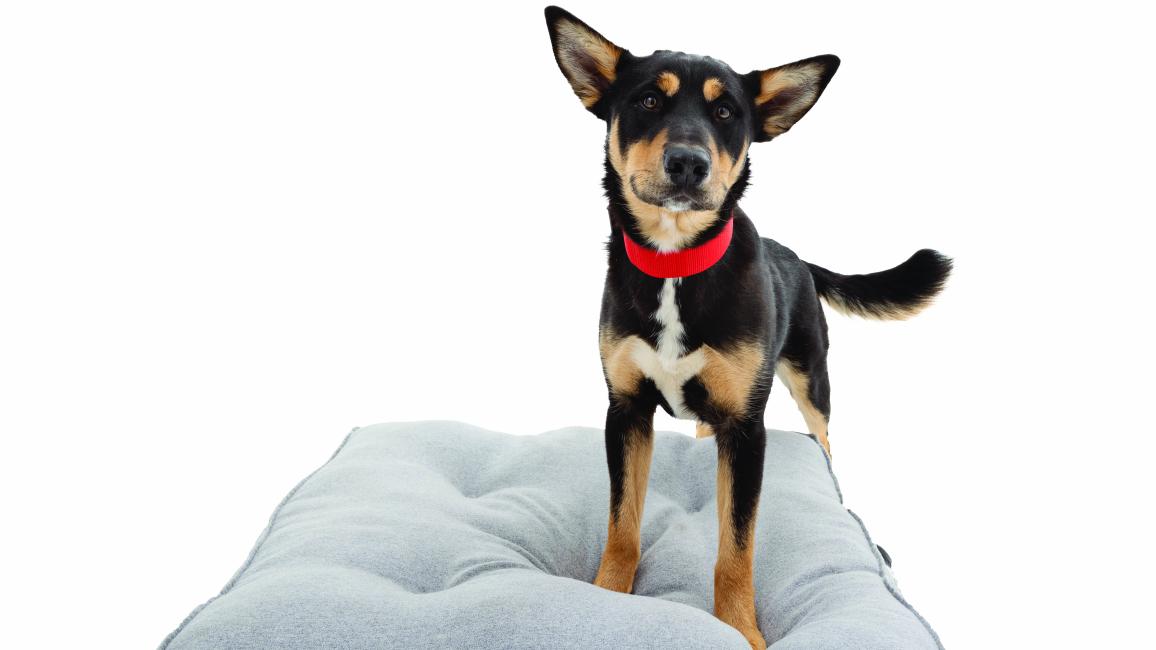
(784, 94)
(587, 59)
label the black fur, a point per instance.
(911, 285)
(759, 291)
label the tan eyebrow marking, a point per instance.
(668, 82)
(712, 89)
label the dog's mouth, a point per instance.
(670, 197)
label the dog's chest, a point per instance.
(668, 365)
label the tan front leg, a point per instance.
(624, 535)
(734, 585)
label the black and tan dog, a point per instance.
(699, 312)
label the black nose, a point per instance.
(686, 167)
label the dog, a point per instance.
(698, 312)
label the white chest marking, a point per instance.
(668, 366)
(668, 239)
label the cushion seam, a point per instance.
(277, 511)
(256, 547)
(891, 589)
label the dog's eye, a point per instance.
(649, 101)
(723, 112)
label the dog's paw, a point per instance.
(742, 617)
(755, 638)
(616, 576)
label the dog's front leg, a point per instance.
(741, 447)
(629, 441)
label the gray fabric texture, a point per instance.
(444, 535)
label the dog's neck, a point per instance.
(681, 263)
(666, 231)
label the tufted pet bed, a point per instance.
(444, 535)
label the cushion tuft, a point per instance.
(441, 534)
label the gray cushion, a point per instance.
(443, 535)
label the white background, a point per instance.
(231, 231)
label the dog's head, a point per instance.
(679, 125)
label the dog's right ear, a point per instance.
(587, 59)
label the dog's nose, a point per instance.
(686, 167)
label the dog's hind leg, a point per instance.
(629, 442)
(811, 390)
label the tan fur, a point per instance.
(666, 230)
(576, 43)
(624, 534)
(668, 82)
(712, 89)
(734, 588)
(729, 376)
(621, 554)
(725, 170)
(797, 78)
(702, 430)
(876, 311)
(799, 384)
(642, 163)
(622, 374)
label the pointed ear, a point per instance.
(586, 58)
(784, 94)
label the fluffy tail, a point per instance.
(894, 294)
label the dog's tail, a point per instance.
(894, 294)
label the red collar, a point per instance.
(679, 264)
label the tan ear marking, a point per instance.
(776, 80)
(668, 83)
(577, 48)
(712, 89)
(797, 85)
